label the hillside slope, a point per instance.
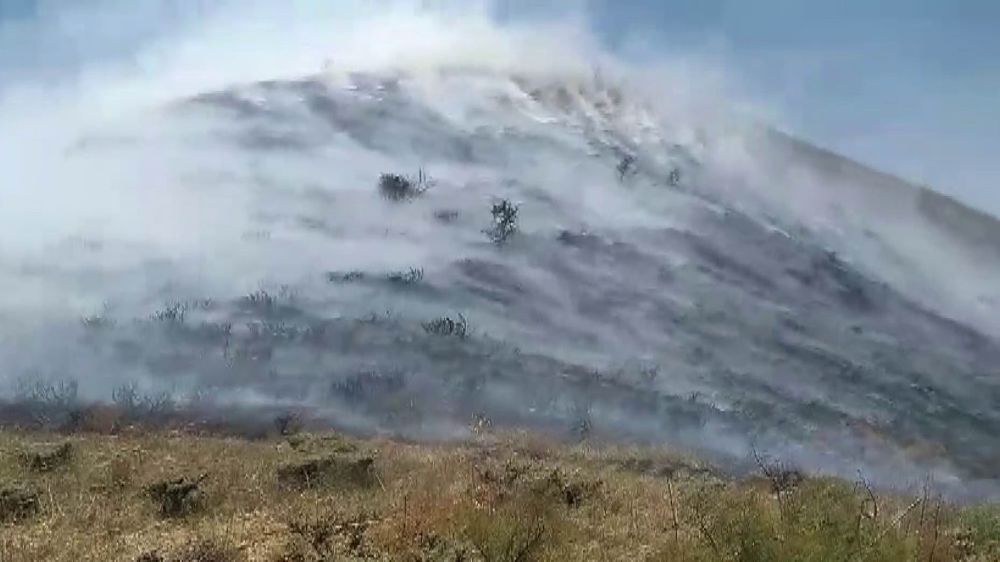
(716, 288)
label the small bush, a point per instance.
(626, 167)
(209, 551)
(328, 537)
(516, 531)
(394, 187)
(569, 491)
(260, 300)
(121, 472)
(504, 222)
(135, 406)
(781, 477)
(46, 458)
(351, 471)
(17, 503)
(448, 327)
(58, 395)
(97, 323)
(412, 276)
(199, 551)
(369, 385)
(342, 277)
(172, 314)
(981, 530)
(288, 424)
(177, 498)
(446, 216)
(674, 178)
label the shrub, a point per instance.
(411, 276)
(446, 327)
(504, 222)
(335, 470)
(171, 314)
(97, 323)
(136, 406)
(626, 167)
(260, 300)
(17, 503)
(369, 385)
(177, 498)
(516, 531)
(674, 178)
(46, 458)
(342, 277)
(395, 187)
(58, 395)
(446, 216)
(199, 551)
(288, 424)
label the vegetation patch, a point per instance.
(448, 327)
(498, 497)
(341, 471)
(177, 498)
(398, 188)
(47, 457)
(197, 551)
(17, 503)
(412, 276)
(504, 224)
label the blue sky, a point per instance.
(909, 86)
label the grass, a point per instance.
(169, 496)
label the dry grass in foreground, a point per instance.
(162, 497)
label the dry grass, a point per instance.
(511, 498)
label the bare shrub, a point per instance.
(447, 327)
(516, 531)
(349, 471)
(177, 498)
(288, 424)
(412, 276)
(446, 216)
(17, 503)
(58, 395)
(46, 458)
(260, 300)
(197, 551)
(97, 323)
(395, 187)
(136, 406)
(626, 167)
(345, 277)
(369, 385)
(674, 177)
(504, 224)
(172, 314)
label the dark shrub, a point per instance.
(177, 498)
(504, 222)
(17, 503)
(626, 167)
(348, 471)
(46, 458)
(395, 187)
(445, 326)
(411, 276)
